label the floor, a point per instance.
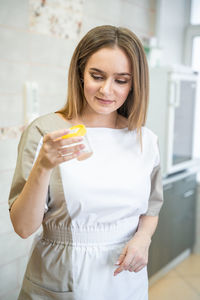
(182, 283)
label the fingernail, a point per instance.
(116, 273)
(117, 263)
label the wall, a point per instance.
(172, 20)
(42, 54)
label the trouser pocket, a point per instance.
(33, 291)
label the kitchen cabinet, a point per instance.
(176, 228)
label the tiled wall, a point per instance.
(27, 54)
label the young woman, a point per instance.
(98, 215)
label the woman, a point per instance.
(98, 215)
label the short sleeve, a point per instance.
(27, 150)
(156, 194)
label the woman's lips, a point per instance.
(104, 101)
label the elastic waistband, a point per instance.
(103, 236)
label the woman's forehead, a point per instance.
(110, 58)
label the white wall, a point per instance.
(172, 20)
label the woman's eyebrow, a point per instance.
(100, 71)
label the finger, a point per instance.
(70, 150)
(139, 268)
(121, 262)
(55, 134)
(136, 265)
(131, 268)
(118, 270)
(120, 259)
(127, 260)
(65, 158)
(139, 260)
(65, 142)
(121, 256)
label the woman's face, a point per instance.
(107, 80)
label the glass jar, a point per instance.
(80, 130)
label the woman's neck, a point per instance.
(94, 120)
(108, 121)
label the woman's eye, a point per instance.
(121, 81)
(96, 77)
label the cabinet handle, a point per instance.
(188, 193)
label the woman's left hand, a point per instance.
(134, 256)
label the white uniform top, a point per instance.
(114, 183)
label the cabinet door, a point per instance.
(176, 228)
(160, 252)
(184, 220)
(189, 203)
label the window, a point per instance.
(192, 37)
(196, 53)
(195, 12)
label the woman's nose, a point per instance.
(106, 87)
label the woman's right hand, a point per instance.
(54, 150)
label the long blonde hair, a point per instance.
(136, 104)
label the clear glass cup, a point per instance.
(80, 130)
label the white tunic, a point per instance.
(112, 185)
